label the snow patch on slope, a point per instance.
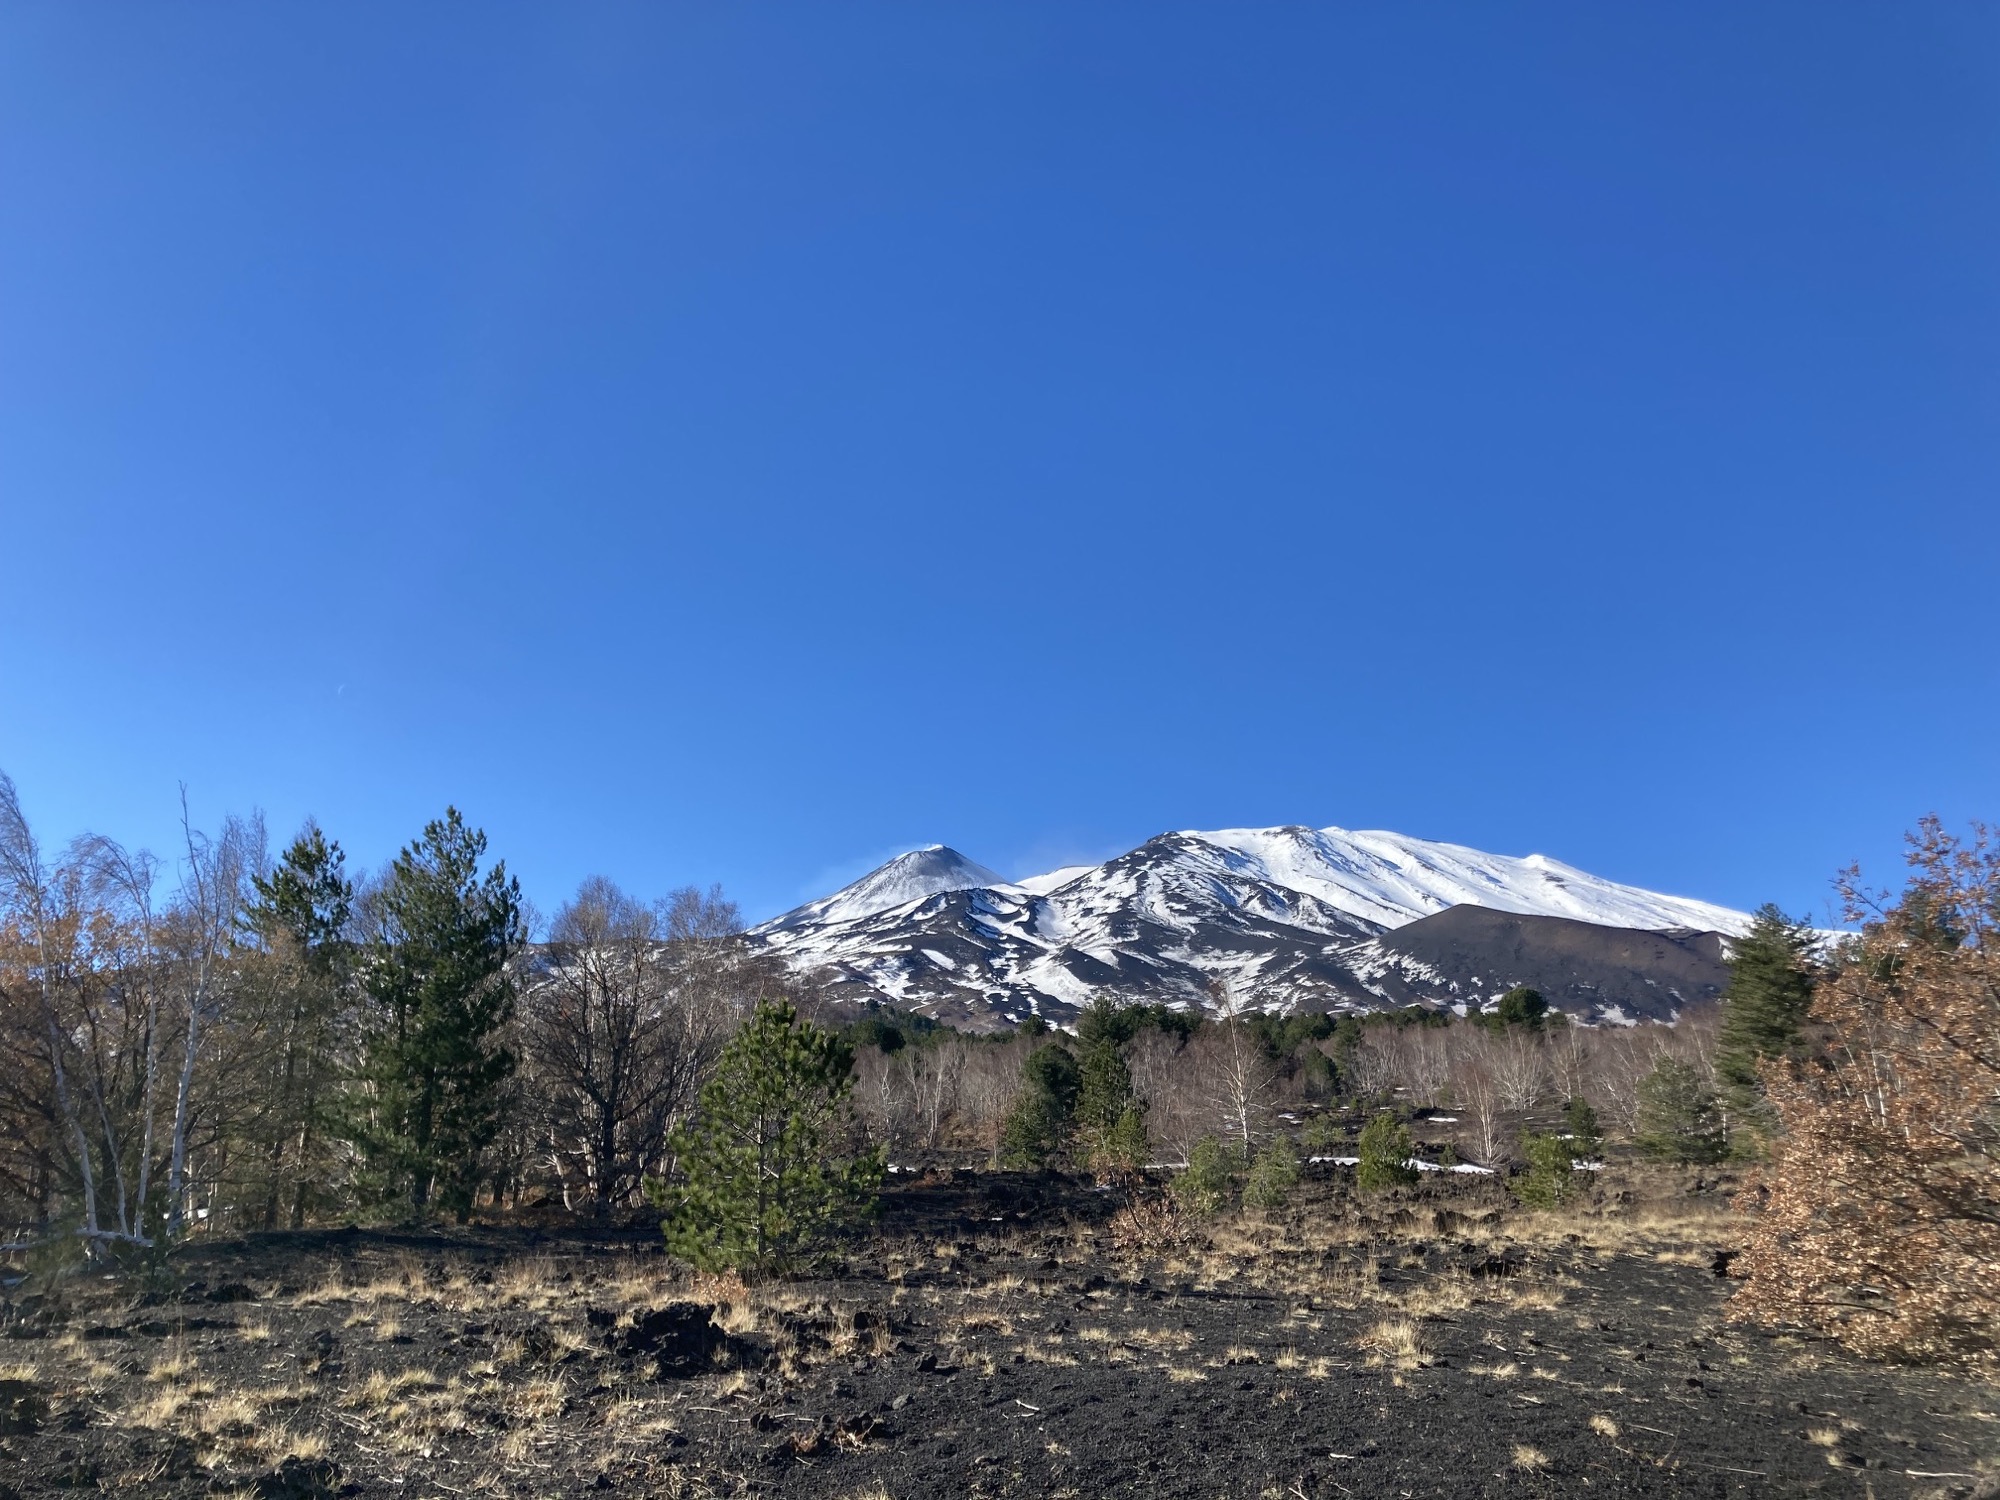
(1391, 879)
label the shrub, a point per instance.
(1385, 1151)
(1203, 1188)
(1273, 1175)
(1880, 1227)
(1677, 1118)
(1149, 1226)
(767, 1172)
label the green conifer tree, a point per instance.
(1203, 1188)
(1038, 1127)
(1273, 1174)
(1522, 1006)
(1104, 1097)
(1551, 1176)
(1586, 1138)
(1677, 1118)
(1770, 991)
(432, 1084)
(1125, 1146)
(299, 918)
(769, 1170)
(1385, 1150)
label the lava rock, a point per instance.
(680, 1338)
(299, 1479)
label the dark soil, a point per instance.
(987, 1339)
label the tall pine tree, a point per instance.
(1770, 991)
(300, 918)
(435, 1068)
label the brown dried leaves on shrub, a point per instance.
(1882, 1225)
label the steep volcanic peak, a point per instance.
(907, 877)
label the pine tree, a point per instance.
(1123, 1148)
(1586, 1138)
(1038, 1127)
(1770, 991)
(769, 1169)
(1385, 1149)
(1522, 1006)
(300, 917)
(435, 1068)
(1110, 1120)
(1677, 1118)
(1273, 1174)
(1551, 1176)
(1203, 1188)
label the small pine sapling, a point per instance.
(1385, 1151)
(1273, 1175)
(1203, 1189)
(1551, 1176)
(769, 1172)
(1586, 1139)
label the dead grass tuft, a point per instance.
(1529, 1460)
(1398, 1342)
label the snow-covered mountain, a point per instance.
(1284, 917)
(906, 878)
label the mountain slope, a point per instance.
(1283, 917)
(1469, 954)
(907, 877)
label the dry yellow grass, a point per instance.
(226, 1416)
(1603, 1426)
(1046, 1354)
(280, 1443)
(1529, 1460)
(1823, 1437)
(1396, 1341)
(174, 1363)
(159, 1410)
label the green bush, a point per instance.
(1385, 1149)
(1273, 1175)
(1203, 1188)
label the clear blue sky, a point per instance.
(737, 443)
